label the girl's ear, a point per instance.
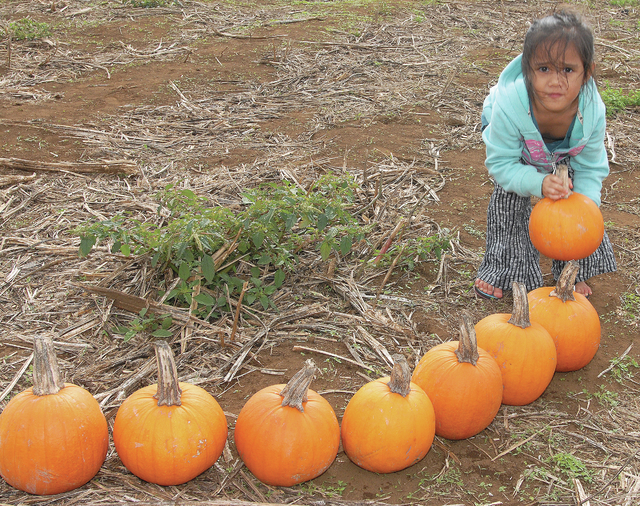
(591, 71)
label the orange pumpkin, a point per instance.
(566, 229)
(389, 423)
(288, 434)
(171, 432)
(463, 382)
(53, 436)
(570, 318)
(524, 350)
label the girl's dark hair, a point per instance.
(554, 34)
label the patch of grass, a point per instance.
(623, 3)
(28, 29)
(147, 4)
(616, 99)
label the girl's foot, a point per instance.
(583, 289)
(487, 291)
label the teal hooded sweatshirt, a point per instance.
(517, 157)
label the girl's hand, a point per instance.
(552, 187)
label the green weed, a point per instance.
(417, 249)
(570, 466)
(616, 100)
(325, 489)
(606, 397)
(28, 29)
(630, 307)
(147, 4)
(624, 368)
(157, 326)
(451, 476)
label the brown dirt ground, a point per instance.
(472, 476)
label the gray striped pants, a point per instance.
(510, 255)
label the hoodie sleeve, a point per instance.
(504, 143)
(591, 165)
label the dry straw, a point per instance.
(379, 73)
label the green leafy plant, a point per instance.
(203, 244)
(285, 218)
(571, 466)
(624, 368)
(28, 29)
(629, 307)
(157, 326)
(417, 249)
(616, 100)
(325, 489)
(606, 397)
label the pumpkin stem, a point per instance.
(47, 379)
(400, 382)
(294, 392)
(169, 391)
(566, 282)
(562, 171)
(468, 346)
(520, 314)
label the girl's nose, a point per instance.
(557, 79)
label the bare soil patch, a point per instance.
(223, 96)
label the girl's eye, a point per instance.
(568, 70)
(543, 69)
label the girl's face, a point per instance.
(556, 90)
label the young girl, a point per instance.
(544, 111)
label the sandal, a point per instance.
(484, 295)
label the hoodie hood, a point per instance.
(513, 91)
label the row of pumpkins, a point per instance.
(54, 436)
